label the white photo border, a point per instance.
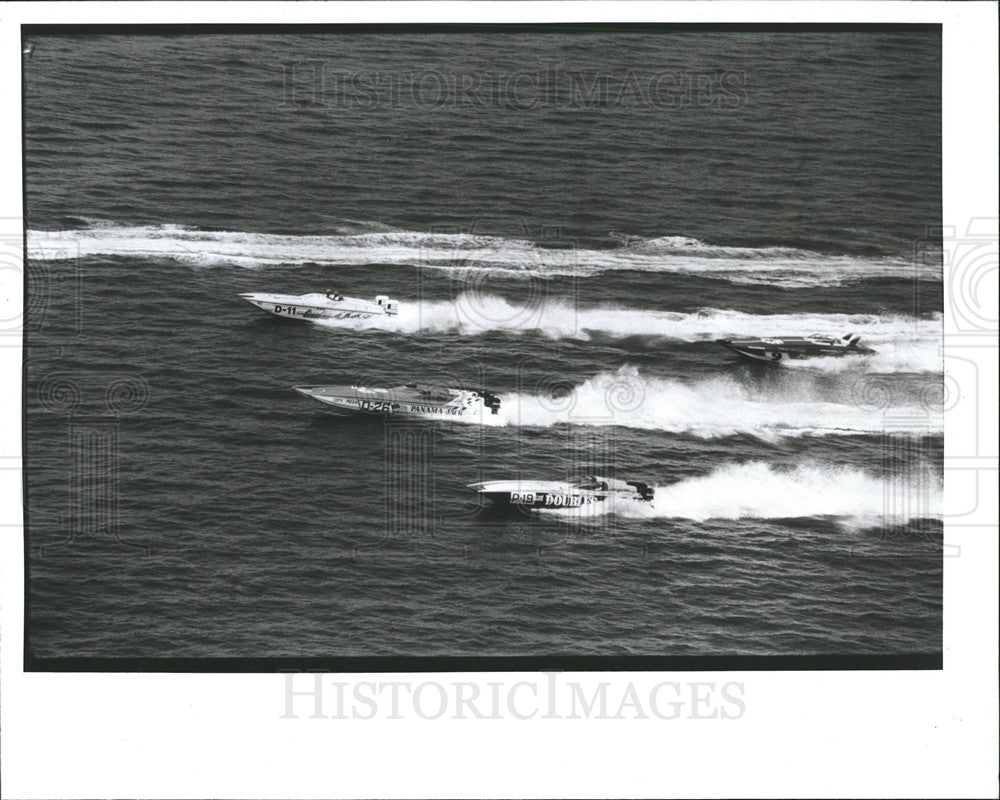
(865, 733)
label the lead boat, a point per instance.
(591, 491)
(797, 347)
(323, 305)
(415, 400)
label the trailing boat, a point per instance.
(797, 347)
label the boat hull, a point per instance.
(383, 404)
(772, 351)
(528, 500)
(552, 495)
(313, 307)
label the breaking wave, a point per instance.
(719, 407)
(773, 266)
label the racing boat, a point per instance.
(323, 305)
(413, 400)
(589, 490)
(797, 347)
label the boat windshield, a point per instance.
(592, 483)
(438, 393)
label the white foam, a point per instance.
(920, 354)
(775, 266)
(903, 344)
(759, 490)
(709, 408)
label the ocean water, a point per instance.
(568, 218)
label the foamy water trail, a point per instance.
(904, 344)
(905, 355)
(774, 266)
(759, 490)
(716, 407)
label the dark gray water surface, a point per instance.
(553, 237)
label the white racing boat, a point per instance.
(413, 400)
(588, 491)
(323, 305)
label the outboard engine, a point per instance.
(644, 489)
(390, 306)
(492, 401)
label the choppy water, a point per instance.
(576, 253)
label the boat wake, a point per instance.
(918, 354)
(773, 266)
(723, 406)
(758, 490)
(904, 344)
